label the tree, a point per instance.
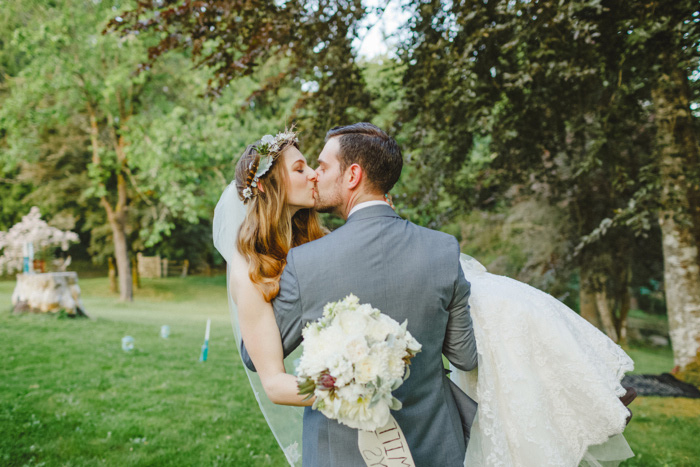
(233, 39)
(149, 146)
(128, 155)
(531, 104)
(670, 42)
(64, 83)
(571, 95)
(569, 101)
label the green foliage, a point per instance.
(560, 92)
(495, 104)
(234, 40)
(75, 103)
(12, 208)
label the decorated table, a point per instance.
(48, 292)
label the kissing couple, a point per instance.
(546, 381)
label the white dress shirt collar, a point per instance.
(366, 204)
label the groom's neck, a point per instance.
(359, 198)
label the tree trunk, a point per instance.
(678, 151)
(117, 221)
(113, 286)
(588, 308)
(115, 216)
(606, 314)
(118, 217)
(135, 277)
(621, 321)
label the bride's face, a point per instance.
(301, 186)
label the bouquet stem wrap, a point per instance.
(386, 446)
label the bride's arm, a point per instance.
(262, 340)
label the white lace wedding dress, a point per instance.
(547, 383)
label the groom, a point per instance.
(406, 271)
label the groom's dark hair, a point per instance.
(376, 152)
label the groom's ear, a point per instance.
(354, 176)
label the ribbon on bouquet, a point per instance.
(386, 446)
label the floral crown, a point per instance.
(268, 151)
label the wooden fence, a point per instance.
(155, 266)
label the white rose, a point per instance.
(362, 416)
(356, 349)
(380, 415)
(383, 327)
(373, 365)
(352, 322)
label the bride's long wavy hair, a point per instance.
(269, 231)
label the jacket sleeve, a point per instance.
(246, 358)
(460, 346)
(287, 307)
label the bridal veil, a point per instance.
(284, 421)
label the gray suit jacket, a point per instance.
(409, 273)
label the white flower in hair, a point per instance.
(267, 139)
(287, 136)
(269, 150)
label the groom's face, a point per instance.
(329, 178)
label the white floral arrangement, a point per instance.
(31, 229)
(354, 356)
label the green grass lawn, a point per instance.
(69, 396)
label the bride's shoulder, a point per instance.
(239, 277)
(238, 268)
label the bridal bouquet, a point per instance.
(354, 357)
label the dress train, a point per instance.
(547, 384)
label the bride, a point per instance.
(547, 382)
